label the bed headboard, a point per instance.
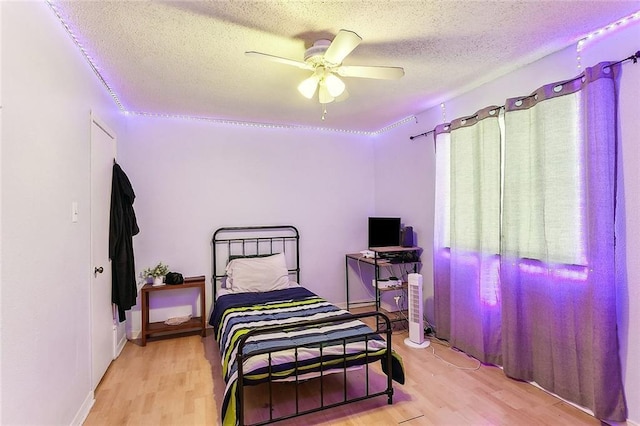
(253, 240)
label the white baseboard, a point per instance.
(119, 338)
(84, 410)
(120, 345)
(369, 303)
(356, 304)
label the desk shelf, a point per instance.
(402, 287)
(160, 327)
(396, 317)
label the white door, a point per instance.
(103, 152)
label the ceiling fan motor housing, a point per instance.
(315, 54)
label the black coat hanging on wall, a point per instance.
(122, 227)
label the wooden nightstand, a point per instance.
(194, 324)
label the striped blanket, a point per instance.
(319, 348)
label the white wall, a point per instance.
(404, 176)
(1, 144)
(48, 91)
(192, 177)
(412, 187)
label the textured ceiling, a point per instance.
(187, 57)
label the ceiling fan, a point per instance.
(324, 59)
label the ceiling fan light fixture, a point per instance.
(307, 87)
(334, 84)
(324, 97)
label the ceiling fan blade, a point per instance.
(343, 44)
(286, 61)
(382, 73)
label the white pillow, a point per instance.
(258, 274)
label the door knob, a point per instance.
(98, 270)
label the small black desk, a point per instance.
(377, 262)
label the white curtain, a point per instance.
(467, 266)
(525, 247)
(441, 237)
(558, 241)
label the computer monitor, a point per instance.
(384, 231)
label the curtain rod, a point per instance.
(421, 134)
(634, 58)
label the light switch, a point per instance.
(74, 211)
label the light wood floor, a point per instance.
(178, 382)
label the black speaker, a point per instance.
(406, 236)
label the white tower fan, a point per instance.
(416, 322)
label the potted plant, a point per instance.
(157, 273)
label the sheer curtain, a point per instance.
(466, 263)
(558, 241)
(441, 238)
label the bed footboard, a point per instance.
(329, 364)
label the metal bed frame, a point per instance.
(257, 240)
(269, 239)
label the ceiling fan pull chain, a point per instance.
(324, 110)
